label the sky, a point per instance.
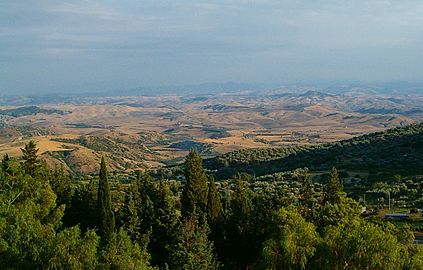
(79, 46)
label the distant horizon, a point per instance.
(208, 88)
(92, 46)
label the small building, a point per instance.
(397, 216)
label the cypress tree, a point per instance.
(333, 187)
(216, 219)
(214, 205)
(194, 196)
(106, 220)
(30, 162)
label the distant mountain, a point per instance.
(29, 110)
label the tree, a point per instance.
(307, 191)
(61, 185)
(293, 242)
(193, 250)
(130, 214)
(345, 211)
(194, 196)
(5, 163)
(360, 245)
(68, 250)
(165, 226)
(106, 219)
(240, 235)
(122, 254)
(30, 162)
(82, 209)
(333, 187)
(29, 223)
(214, 205)
(216, 218)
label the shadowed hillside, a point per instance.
(395, 149)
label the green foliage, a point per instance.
(194, 196)
(333, 187)
(214, 205)
(361, 245)
(106, 225)
(239, 231)
(130, 212)
(282, 223)
(293, 242)
(344, 212)
(82, 209)
(121, 253)
(70, 251)
(29, 110)
(5, 163)
(193, 250)
(394, 149)
(30, 162)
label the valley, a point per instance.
(144, 132)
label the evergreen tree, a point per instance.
(194, 251)
(61, 185)
(5, 163)
(106, 224)
(240, 236)
(194, 195)
(216, 219)
(214, 205)
(333, 187)
(82, 209)
(165, 227)
(30, 162)
(307, 191)
(130, 212)
(122, 254)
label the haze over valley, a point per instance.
(140, 132)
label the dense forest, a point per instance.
(50, 220)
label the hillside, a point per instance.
(398, 149)
(29, 110)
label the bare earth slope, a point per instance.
(138, 132)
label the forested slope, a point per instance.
(397, 149)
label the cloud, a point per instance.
(179, 42)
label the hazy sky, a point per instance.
(63, 46)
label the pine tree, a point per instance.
(106, 220)
(30, 162)
(194, 195)
(333, 187)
